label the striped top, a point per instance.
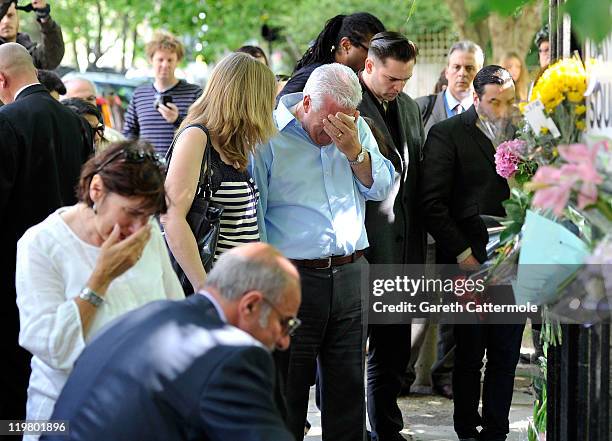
(142, 120)
(238, 194)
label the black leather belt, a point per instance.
(327, 262)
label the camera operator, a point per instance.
(157, 109)
(47, 54)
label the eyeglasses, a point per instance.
(288, 323)
(132, 156)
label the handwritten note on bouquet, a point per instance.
(534, 113)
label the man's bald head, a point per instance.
(255, 266)
(77, 87)
(16, 57)
(16, 70)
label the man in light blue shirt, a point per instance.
(314, 177)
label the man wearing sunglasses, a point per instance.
(193, 369)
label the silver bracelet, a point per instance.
(90, 296)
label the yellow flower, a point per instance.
(544, 130)
(580, 125)
(522, 106)
(575, 97)
(580, 110)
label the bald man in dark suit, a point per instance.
(43, 145)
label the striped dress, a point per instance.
(143, 121)
(238, 193)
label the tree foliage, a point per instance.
(210, 28)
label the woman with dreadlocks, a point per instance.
(345, 39)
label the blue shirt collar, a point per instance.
(452, 102)
(282, 113)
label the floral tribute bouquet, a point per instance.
(554, 116)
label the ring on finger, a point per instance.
(339, 135)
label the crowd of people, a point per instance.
(338, 170)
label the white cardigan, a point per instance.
(53, 266)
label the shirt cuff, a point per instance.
(383, 174)
(467, 253)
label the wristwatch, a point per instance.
(360, 157)
(90, 296)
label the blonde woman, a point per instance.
(236, 111)
(515, 65)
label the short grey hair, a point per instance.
(235, 274)
(468, 46)
(336, 81)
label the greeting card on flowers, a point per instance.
(534, 114)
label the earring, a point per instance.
(94, 208)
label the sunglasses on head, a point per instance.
(132, 156)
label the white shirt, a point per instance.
(22, 89)
(53, 266)
(452, 102)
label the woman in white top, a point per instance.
(87, 264)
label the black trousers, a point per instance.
(332, 340)
(502, 344)
(388, 356)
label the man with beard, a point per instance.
(458, 183)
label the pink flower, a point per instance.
(581, 159)
(507, 157)
(553, 186)
(552, 189)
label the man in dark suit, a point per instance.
(459, 183)
(198, 369)
(465, 58)
(393, 225)
(42, 149)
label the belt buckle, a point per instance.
(329, 263)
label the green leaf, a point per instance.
(483, 8)
(592, 20)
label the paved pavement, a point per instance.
(430, 418)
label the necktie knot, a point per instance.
(458, 109)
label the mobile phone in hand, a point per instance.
(162, 99)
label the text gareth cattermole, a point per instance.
(411, 286)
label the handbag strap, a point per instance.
(205, 179)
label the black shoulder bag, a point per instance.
(204, 216)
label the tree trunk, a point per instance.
(514, 33)
(477, 32)
(98, 41)
(75, 52)
(124, 37)
(134, 41)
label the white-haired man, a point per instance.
(314, 177)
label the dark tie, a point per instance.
(458, 109)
